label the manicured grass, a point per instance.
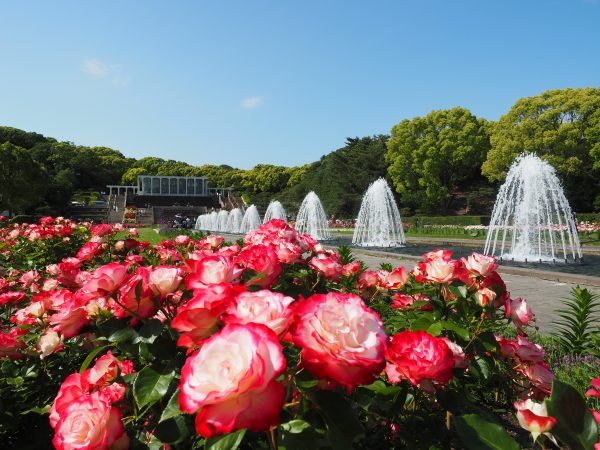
(146, 234)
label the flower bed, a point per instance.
(272, 342)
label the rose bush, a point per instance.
(272, 342)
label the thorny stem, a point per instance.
(476, 333)
(273, 437)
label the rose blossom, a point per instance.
(90, 422)
(231, 381)
(327, 265)
(49, 342)
(136, 295)
(397, 278)
(519, 311)
(534, 417)
(182, 239)
(421, 358)
(266, 307)
(199, 317)
(341, 339)
(210, 270)
(439, 270)
(263, 260)
(165, 279)
(106, 279)
(479, 264)
(351, 268)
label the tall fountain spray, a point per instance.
(274, 211)
(251, 220)
(222, 219)
(234, 222)
(532, 220)
(379, 223)
(311, 218)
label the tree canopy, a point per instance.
(560, 126)
(21, 179)
(431, 157)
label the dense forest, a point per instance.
(447, 162)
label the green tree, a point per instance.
(339, 178)
(431, 157)
(22, 180)
(561, 126)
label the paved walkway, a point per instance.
(543, 295)
(588, 249)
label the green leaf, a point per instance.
(174, 430)
(36, 410)
(172, 408)
(460, 331)
(575, 425)
(90, 357)
(435, 329)
(229, 441)
(421, 324)
(295, 426)
(479, 434)
(150, 331)
(151, 385)
(343, 427)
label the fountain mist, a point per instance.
(311, 218)
(378, 223)
(532, 219)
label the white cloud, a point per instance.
(95, 68)
(251, 102)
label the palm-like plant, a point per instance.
(577, 323)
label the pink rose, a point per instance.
(479, 264)
(421, 358)
(534, 417)
(327, 265)
(211, 270)
(199, 317)
(445, 255)
(106, 369)
(10, 344)
(263, 260)
(439, 270)
(70, 317)
(89, 251)
(351, 268)
(230, 381)
(164, 280)
(397, 278)
(539, 375)
(90, 422)
(49, 343)
(596, 391)
(341, 339)
(106, 279)
(182, 239)
(266, 307)
(485, 296)
(519, 311)
(12, 297)
(74, 386)
(136, 295)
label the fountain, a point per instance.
(311, 218)
(234, 222)
(275, 211)
(379, 223)
(251, 220)
(532, 220)
(222, 219)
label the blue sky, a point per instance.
(280, 82)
